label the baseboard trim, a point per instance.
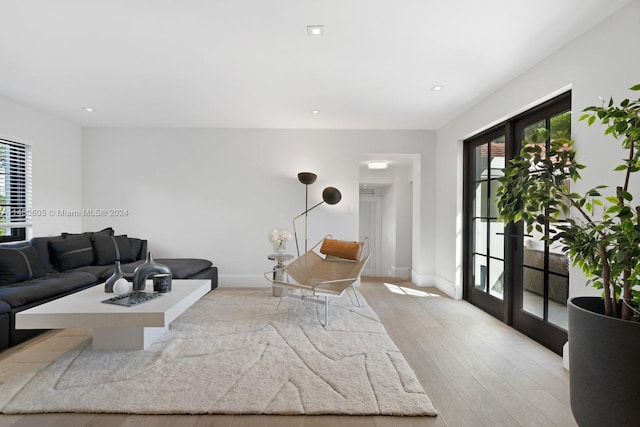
(448, 287)
(439, 282)
(421, 279)
(403, 273)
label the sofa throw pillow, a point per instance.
(341, 249)
(19, 264)
(136, 248)
(110, 249)
(72, 252)
(104, 232)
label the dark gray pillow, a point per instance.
(104, 232)
(110, 249)
(136, 247)
(72, 252)
(19, 264)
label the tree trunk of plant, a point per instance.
(626, 293)
(609, 308)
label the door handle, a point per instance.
(514, 235)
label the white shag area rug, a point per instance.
(231, 353)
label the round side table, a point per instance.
(278, 274)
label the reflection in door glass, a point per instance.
(488, 232)
(545, 271)
(480, 272)
(496, 280)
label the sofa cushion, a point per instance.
(109, 249)
(44, 287)
(104, 232)
(72, 252)
(19, 264)
(100, 272)
(184, 268)
(41, 244)
(136, 248)
(4, 308)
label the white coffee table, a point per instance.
(116, 327)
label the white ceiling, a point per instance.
(250, 63)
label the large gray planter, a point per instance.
(604, 363)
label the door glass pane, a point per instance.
(480, 236)
(534, 131)
(561, 125)
(480, 202)
(558, 290)
(496, 278)
(481, 154)
(496, 234)
(497, 157)
(533, 288)
(480, 272)
(492, 211)
(558, 285)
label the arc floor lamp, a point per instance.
(330, 195)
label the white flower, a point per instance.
(278, 236)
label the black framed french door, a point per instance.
(514, 276)
(485, 157)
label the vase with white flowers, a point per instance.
(279, 239)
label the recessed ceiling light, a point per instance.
(315, 30)
(377, 165)
(315, 111)
(88, 109)
(437, 88)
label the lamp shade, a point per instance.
(331, 195)
(307, 178)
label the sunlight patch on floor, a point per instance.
(408, 291)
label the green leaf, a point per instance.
(625, 195)
(621, 168)
(635, 87)
(621, 127)
(612, 199)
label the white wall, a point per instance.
(602, 62)
(388, 244)
(216, 193)
(404, 218)
(57, 180)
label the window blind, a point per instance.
(15, 187)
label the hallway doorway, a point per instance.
(387, 199)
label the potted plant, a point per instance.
(600, 233)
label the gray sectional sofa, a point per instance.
(46, 268)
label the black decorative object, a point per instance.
(330, 195)
(132, 298)
(117, 274)
(162, 283)
(143, 271)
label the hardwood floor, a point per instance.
(477, 371)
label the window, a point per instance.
(15, 194)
